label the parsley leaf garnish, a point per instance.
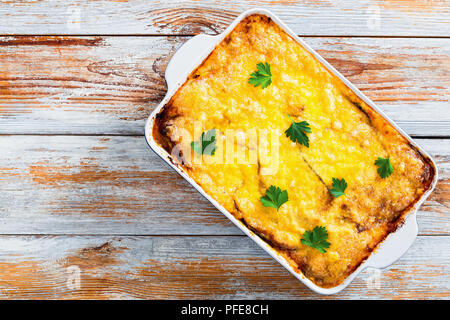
(338, 188)
(297, 132)
(384, 167)
(316, 239)
(274, 197)
(207, 144)
(262, 77)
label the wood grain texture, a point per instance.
(109, 85)
(195, 268)
(117, 185)
(311, 17)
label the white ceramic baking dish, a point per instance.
(189, 57)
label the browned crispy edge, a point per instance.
(169, 111)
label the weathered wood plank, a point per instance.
(195, 268)
(117, 185)
(312, 17)
(109, 85)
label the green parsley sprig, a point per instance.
(338, 187)
(316, 239)
(262, 77)
(297, 132)
(385, 168)
(207, 143)
(274, 197)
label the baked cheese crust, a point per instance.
(347, 137)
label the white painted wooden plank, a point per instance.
(117, 185)
(196, 267)
(109, 85)
(312, 17)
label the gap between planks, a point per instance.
(195, 34)
(141, 235)
(143, 135)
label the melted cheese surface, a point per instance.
(254, 153)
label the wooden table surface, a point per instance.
(81, 194)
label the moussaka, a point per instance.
(286, 147)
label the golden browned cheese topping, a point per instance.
(252, 151)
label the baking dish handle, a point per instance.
(189, 55)
(395, 245)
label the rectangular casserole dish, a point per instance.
(191, 55)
